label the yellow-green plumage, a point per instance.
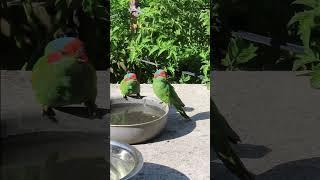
(128, 88)
(64, 82)
(222, 136)
(166, 93)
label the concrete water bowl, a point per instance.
(139, 132)
(125, 161)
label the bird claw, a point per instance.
(50, 114)
(92, 110)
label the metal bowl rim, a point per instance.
(167, 109)
(136, 153)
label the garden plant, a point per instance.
(288, 36)
(27, 26)
(171, 35)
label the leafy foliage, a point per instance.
(173, 34)
(39, 22)
(308, 24)
(306, 20)
(239, 52)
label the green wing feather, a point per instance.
(166, 93)
(222, 136)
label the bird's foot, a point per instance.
(125, 97)
(92, 110)
(49, 113)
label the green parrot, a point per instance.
(130, 85)
(166, 93)
(64, 76)
(223, 135)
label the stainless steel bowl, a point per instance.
(125, 161)
(137, 133)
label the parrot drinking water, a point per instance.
(130, 85)
(166, 93)
(223, 135)
(64, 76)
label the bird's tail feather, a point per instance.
(182, 112)
(234, 164)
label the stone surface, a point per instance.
(277, 116)
(74, 147)
(20, 113)
(182, 150)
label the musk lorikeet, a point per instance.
(130, 85)
(64, 76)
(223, 135)
(166, 93)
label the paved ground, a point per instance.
(182, 149)
(277, 115)
(180, 152)
(75, 148)
(20, 113)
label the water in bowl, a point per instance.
(119, 168)
(127, 114)
(60, 156)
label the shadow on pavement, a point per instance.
(153, 171)
(177, 127)
(82, 111)
(305, 169)
(251, 151)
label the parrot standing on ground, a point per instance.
(166, 93)
(223, 134)
(64, 76)
(130, 85)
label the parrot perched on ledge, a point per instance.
(223, 135)
(166, 93)
(130, 85)
(64, 76)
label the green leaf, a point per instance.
(304, 59)
(153, 50)
(226, 61)
(239, 52)
(247, 54)
(161, 51)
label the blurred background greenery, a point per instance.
(174, 34)
(293, 28)
(28, 25)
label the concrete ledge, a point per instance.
(20, 113)
(277, 115)
(182, 150)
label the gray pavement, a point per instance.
(72, 148)
(277, 116)
(20, 113)
(182, 150)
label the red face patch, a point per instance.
(130, 76)
(75, 48)
(54, 57)
(160, 74)
(72, 47)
